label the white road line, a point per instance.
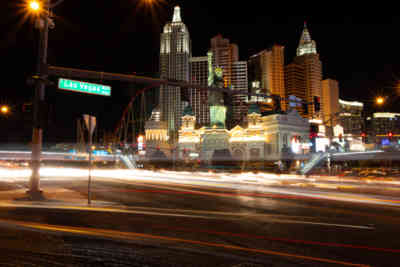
(222, 216)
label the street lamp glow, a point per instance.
(380, 100)
(34, 6)
(4, 109)
(150, 2)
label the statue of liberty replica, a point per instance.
(215, 98)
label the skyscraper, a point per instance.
(330, 101)
(198, 98)
(224, 55)
(266, 71)
(295, 84)
(239, 83)
(175, 53)
(308, 58)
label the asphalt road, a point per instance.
(138, 223)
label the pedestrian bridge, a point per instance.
(128, 161)
(317, 158)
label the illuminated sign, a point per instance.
(84, 87)
(351, 103)
(321, 144)
(100, 152)
(385, 142)
(296, 146)
(338, 130)
(140, 141)
(386, 115)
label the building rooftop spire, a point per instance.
(305, 36)
(306, 45)
(177, 15)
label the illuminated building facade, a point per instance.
(350, 117)
(240, 83)
(224, 55)
(263, 139)
(266, 71)
(156, 133)
(198, 98)
(308, 58)
(295, 84)
(385, 129)
(330, 101)
(385, 122)
(175, 53)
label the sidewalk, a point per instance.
(52, 196)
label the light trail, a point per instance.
(134, 236)
(221, 180)
(199, 215)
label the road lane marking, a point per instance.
(214, 215)
(284, 194)
(5, 205)
(296, 241)
(327, 224)
(133, 236)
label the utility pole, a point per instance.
(37, 134)
(90, 159)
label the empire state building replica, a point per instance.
(175, 53)
(308, 59)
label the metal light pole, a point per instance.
(90, 159)
(37, 135)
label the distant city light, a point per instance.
(386, 115)
(351, 103)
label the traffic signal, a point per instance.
(390, 135)
(363, 137)
(340, 138)
(317, 104)
(313, 141)
(313, 137)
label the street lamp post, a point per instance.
(37, 134)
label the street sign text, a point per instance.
(84, 87)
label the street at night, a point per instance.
(201, 223)
(198, 133)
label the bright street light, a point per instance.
(380, 100)
(4, 109)
(34, 6)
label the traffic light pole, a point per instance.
(37, 134)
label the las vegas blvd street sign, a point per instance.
(84, 87)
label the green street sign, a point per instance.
(84, 87)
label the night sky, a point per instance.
(360, 51)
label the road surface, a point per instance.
(163, 223)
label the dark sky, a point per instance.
(360, 51)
